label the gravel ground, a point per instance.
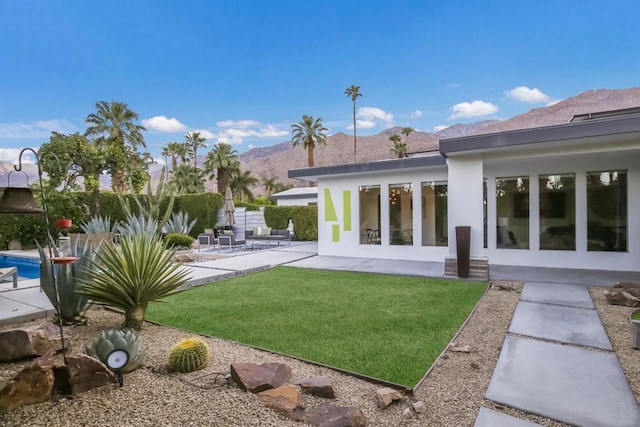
(453, 391)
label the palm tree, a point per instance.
(195, 140)
(353, 92)
(240, 183)
(221, 163)
(113, 125)
(187, 179)
(183, 150)
(166, 153)
(269, 185)
(407, 132)
(309, 133)
(399, 147)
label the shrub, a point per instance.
(190, 354)
(305, 220)
(175, 240)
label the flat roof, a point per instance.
(296, 193)
(312, 174)
(594, 128)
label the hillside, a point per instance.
(590, 101)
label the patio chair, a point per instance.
(229, 240)
(10, 271)
(207, 238)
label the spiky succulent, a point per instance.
(97, 224)
(115, 339)
(179, 224)
(70, 306)
(188, 355)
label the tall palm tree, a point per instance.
(166, 153)
(309, 133)
(269, 185)
(221, 162)
(240, 183)
(187, 179)
(195, 140)
(399, 147)
(113, 125)
(353, 92)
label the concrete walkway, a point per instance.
(557, 361)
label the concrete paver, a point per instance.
(580, 326)
(490, 418)
(557, 293)
(573, 385)
(369, 265)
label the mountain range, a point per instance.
(274, 161)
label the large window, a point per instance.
(434, 214)
(557, 212)
(401, 214)
(607, 211)
(512, 212)
(370, 214)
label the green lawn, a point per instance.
(388, 327)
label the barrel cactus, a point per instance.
(114, 339)
(190, 354)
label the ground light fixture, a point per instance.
(116, 361)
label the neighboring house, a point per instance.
(307, 196)
(557, 196)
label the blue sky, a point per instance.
(243, 71)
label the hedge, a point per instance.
(305, 220)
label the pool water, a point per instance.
(28, 268)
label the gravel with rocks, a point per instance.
(453, 391)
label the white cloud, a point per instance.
(438, 128)
(237, 123)
(553, 102)
(11, 155)
(251, 146)
(472, 109)
(369, 117)
(205, 133)
(234, 132)
(416, 114)
(163, 124)
(364, 124)
(37, 129)
(529, 96)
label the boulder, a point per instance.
(317, 386)
(256, 378)
(285, 400)
(624, 293)
(337, 416)
(86, 373)
(29, 341)
(32, 385)
(386, 396)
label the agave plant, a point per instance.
(114, 339)
(139, 225)
(179, 224)
(97, 224)
(71, 306)
(129, 277)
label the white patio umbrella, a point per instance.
(229, 208)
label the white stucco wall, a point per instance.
(349, 244)
(466, 201)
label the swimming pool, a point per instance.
(28, 268)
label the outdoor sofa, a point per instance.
(267, 234)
